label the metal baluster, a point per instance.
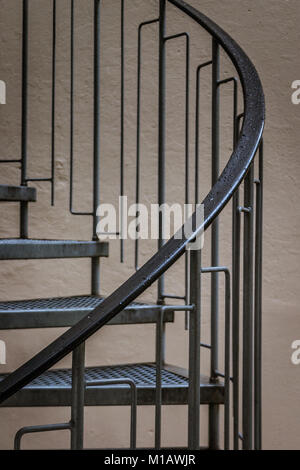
(23, 204)
(160, 360)
(97, 106)
(197, 129)
(226, 375)
(138, 128)
(194, 352)
(51, 179)
(161, 131)
(214, 409)
(133, 390)
(258, 307)
(122, 123)
(248, 313)
(236, 255)
(197, 144)
(160, 353)
(227, 362)
(72, 79)
(77, 403)
(187, 126)
(72, 106)
(187, 169)
(53, 103)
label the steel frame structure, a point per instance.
(247, 143)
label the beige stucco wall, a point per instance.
(268, 31)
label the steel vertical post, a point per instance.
(161, 131)
(214, 409)
(160, 360)
(138, 128)
(236, 259)
(227, 362)
(77, 404)
(194, 351)
(236, 242)
(122, 120)
(96, 191)
(53, 92)
(23, 204)
(248, 313)
(133, 392)
(258, 308)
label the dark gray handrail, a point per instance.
(215, 201)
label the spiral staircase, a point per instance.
(235, 391)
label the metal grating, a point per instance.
(57, 303)
(61, 303)
(144, 375)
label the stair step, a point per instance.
(10, 193)
(67, 311)
(53, 388)
(17, 248)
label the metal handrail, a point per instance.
(215, 201)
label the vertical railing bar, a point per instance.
(194, 353)
(160, 353)
(71, 104)
(138, 127)
(133, 420)
(122, 123)
(197, 129)
(236, 313)
(187, 125)
(233, 80)
(227, 411)
(258, 307)
(227, 375)
(187, 144)
(236, 248)
(161, 132)
(227, 363)
(23, 204)
(248, 314)
(52, 178)
(95, 262)
(197, 144)
(160, 359)
(214, 409)
(71, 193)
(53, 104)
(187, 118)
(77, 403)
(133, 391)
(235, 111)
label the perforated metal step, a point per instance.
(10, 193)
(66, 311)
(16, 248)
(53, 388)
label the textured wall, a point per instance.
(267, 31)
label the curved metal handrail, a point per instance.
(231, 177)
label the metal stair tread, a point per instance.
(10, 193)
(66, 311)
(19, 248)
(53, 388)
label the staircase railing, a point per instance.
(224, 188)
